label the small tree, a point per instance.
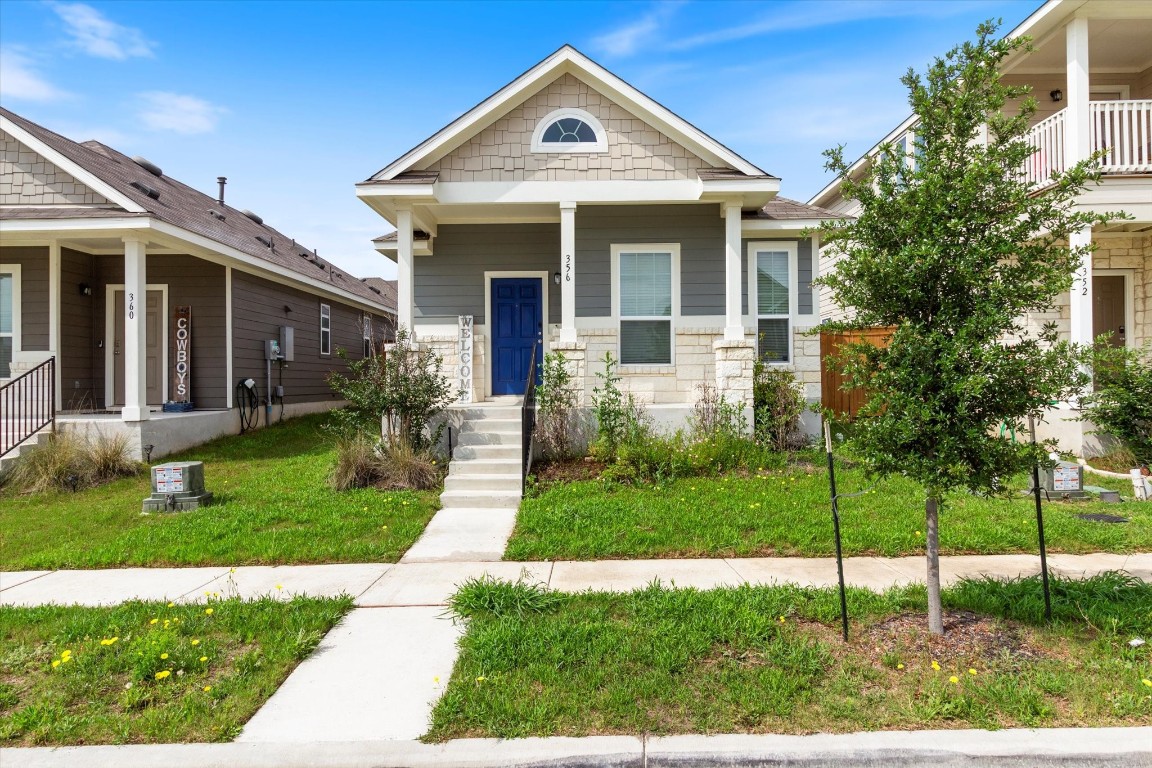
(1121, 406)
(394, 395)
(952, 248)
(556, 399)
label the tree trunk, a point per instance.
(932, 529)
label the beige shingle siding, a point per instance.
(503, 151)
(26, 178)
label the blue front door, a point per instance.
(516, 328)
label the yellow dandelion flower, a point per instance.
(163, 655)
(166, 623)
(1147, 682)
(207, 688)
(203, 658)
(195, 641)
(782, 619)
(953, 679)
(163, 674)
(481, 679)
(154, 621)
(171, 605)
(207, 611)
(279, 586)
(55, 663)
(436, 679)
(66, 653)
(917, 533)
(971, 671)
(899, 666)
(935, 665)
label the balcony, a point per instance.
(1121, 128)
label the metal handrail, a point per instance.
(27, 405)
(528, 414)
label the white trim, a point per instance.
(545, 279)
(325, 314)
(567, 60)
(557, 148)
(54, 318)
(1129, 301)
(228, 385)
(17, 309)
(673, 249)
(81, 174)
(1123, 89)
(110, 340)
(791, 247)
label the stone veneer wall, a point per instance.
(503, 151)
(447, 348)
(26, 178)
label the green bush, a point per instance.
(661, 458)
(557, 424)
(73, 462)
(619, 418)
(1122, 403)
(778, 400)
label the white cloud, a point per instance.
(96, 35)
(178, 113)
(636, 36)
(20, 80)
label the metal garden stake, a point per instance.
(1039, 523)
(836, 528)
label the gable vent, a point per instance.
(253, 216)
(151, 167)
(152, 193)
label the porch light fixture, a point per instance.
(85, 289)
(556, 278)
(1057, 95)
(147, 451)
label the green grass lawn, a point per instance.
(786, 512)
(770, 659)
(273, 506)
(149, 672)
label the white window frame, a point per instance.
(673, 249)
(14, 270)
(366, 328)
(538, 144)
(775, 246)
(325, 333)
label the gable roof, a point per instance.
(114, 175)
(387, 288)
(567, 60)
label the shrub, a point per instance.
(778, 400)
(659, 458)
(363, 463)
(72, 462)
(556, 398)
(619, 418)
(713, 416)
(1122, 403)
(394, 394)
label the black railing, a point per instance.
(27, 405)
(528, 413)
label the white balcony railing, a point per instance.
(1122, 129)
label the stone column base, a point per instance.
(734, 358)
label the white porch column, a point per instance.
(135, 331)
(405, 275)
(1077, 122)
(733, 317)
(54, 295)
(568, 273)
(1080, 297)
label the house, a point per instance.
(144, 291)
(1090, 71)
(569, 212)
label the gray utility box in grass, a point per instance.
(177, 486)
(1066, 479)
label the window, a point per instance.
(325, 329)
(569, 130)
(646, 298)
(773, 281)
(9, 317)
(369, 347)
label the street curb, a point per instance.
(1081, 747)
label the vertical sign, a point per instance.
(464, 352)
(182, 355)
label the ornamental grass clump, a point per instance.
(72, 462)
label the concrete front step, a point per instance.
(480, 499)
(510, 426)
(490, 413)
(9, 460)
(489, 438)
(484, 467)
(485, 482)
(486, 452)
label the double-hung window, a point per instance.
(773, 272)
(369, 347)
(646, 298)
(325, 329)
(9, 317)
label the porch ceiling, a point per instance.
(1114, 45)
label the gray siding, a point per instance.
(77, 346)
(258, 311)
(451, 281)
(804, 270)
(698, 229)
(33, 261)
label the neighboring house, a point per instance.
(568, 212)
(82, 226)
(1091, 75)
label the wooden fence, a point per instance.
(833, 396)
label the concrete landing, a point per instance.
(464, 535)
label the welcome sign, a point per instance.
(182, 355)
(464, 350)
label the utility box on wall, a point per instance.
(177, 486)
(287, 343)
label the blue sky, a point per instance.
(297, 101)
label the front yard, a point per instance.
(149, 672)
(785, 512)
(273, 506)
(770, 660)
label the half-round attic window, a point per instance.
(569, 130)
